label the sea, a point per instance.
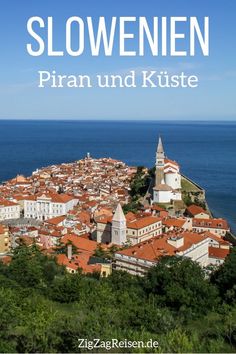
(206, 151)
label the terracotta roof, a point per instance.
(63, 260)
(19, 179)
(27, 240)
(211, 223)
(6, 203)
(55, 221)
(220, 253)
(104, 219)
(158, 246)
(80, 242)
(29, 197)
(217, 238)
(53, 197)
(143, 222)
(167, 161)
(174, 222)
(6, 259)
(157, 207)
(130, 216)
(57, 198)
(195, 210)
(150, 250)
(190, 239)
(79, 261)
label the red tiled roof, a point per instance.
(190, 239)
(79, 261)
(157, 207)
(218, 252)
(80, 242)
(174, 222)
(195, 210)
(158, 246)
(55, 221)
(168, 161)
(143, 222)
(6, 259)
(6, 203)
(217, 238)
(211, 223)
(104, 219)
(130, 216)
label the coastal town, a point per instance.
(82, 214)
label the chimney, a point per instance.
(176, 241)
(69, 251)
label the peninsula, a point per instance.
(130, 216)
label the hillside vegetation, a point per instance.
(44, 309)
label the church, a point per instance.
(167, 186)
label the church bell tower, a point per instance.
(160, 163)
(118, 234)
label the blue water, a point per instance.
(205, 151)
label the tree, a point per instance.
(180, 283)
(139, 184)
(225, 277)
(66, 288)
(25, 267)
(9, 312)
(133, 206)
(31, 268)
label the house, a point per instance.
(121, 228)
(48, 205)
(167, 186)
(9, 210)
(216, 241)
(217, 226)
(51, 238)
(139, 258)
(171, 224)
(218, 249)
(197, 212)
(4, 240)
(158, 211)
(83, 257)
(56, 221)
(217, 255)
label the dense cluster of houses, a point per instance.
(73, 211)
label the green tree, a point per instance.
(9, 313)
(224, 277)
(140, 183)
(180, 283)
(25, 267)
(66, 288)
(31, 268)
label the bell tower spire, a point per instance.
(118, 234)
(160, 162)
(160, 154)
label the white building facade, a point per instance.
(168, 178)
(138, 259)
(9, 210)
(48, 206)
(118, 230)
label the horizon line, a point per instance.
(110, 120)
